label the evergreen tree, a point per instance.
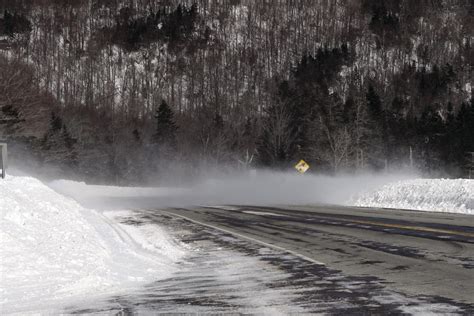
(378, 138)
(465, 127)
(431, 130)
(56, 123)
(450, 143)
(58, 145)
(136, 135)
(166, 128)
(307, 98)
(9, 117)
(12, 24)
(374, 104)
(218, 122)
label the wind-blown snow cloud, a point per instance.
(262, 188)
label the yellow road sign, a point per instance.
(302, 166)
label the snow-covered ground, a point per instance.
(437, 195)
(53, 251)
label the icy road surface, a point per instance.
(224, 273)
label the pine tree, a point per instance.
(136, 135)
(58, 145)
(431, 130)
(166, 128)
(218, 122)
(9, 117)
(450, 141)
(465, 126)
(56, 123)
(12, 24)
(379, 148)
(374, 104)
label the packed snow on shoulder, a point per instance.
(54, 252)
(437, 195)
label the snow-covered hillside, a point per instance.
(53, 251)
(438, 195)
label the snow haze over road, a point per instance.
(260, 188)
(383, 190)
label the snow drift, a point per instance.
(53, 251)
(437, 195)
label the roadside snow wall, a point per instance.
(437, 195)
(53, 251)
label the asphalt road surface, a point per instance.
(305, 260)
(415, 253)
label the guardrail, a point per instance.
(3, 159)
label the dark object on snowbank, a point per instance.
(3, 159)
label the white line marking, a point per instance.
(262, 213)
(248, 238)
(218, 207)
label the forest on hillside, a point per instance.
(127, 91)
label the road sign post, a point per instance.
(3, 159)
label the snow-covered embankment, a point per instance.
(54, 252)
(437, 195)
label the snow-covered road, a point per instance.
(224, 273)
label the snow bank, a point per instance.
(438, 195)
(53, 251)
